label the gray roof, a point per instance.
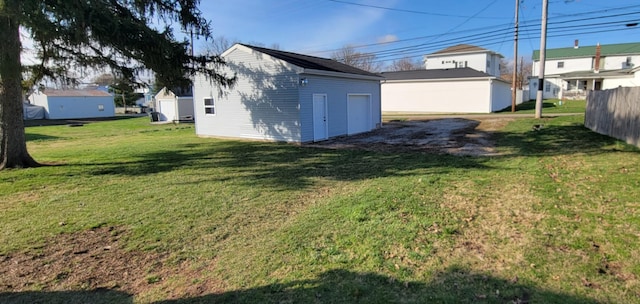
(76, 93)
(589, 74)
(311, 62)
(462, 49)
(436, 74)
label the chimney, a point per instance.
(596, 63)
(575, 44)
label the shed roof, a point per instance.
(312, 62)
(76, 93)
(436, 74)
(590, 51)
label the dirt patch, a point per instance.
(457, 136)
(94, 260)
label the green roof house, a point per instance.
(571, 72)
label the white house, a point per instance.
(461, 90)
(571, 72)
(72, 104)
(465, 56)
(173, 108)
(283, 96)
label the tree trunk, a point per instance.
(13, 146)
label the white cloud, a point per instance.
(387, 38)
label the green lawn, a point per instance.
(555, 219)
(550, 106)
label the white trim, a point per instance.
(213, 106)
(441, 79)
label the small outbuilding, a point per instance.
(284, 96)
(458, 90)
(31, 112)
(173, 108)
(74, 104)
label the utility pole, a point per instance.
(543, 55)
(515, 61)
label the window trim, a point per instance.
(212, 106)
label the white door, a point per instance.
(358, 113)
(167, 110)
(320, 127)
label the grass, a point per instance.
(550, 106)
(555, 219)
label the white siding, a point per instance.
(262, 105)
(620, 62)
(552, 88)
(474, 61)
(175, 108)
(570, 65)
(500, 95)
(613, 83)
(463, 96)
(337, 90)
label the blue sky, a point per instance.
(413, 28)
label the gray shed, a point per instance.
(284, 96)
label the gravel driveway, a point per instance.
(457, 136)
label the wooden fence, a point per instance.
(615, 112)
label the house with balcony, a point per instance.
(572, 72)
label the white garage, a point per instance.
(461, 90)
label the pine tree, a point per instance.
(82, 34)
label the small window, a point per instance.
(209, 106)
(547, 87)
(560, 64)
(100, 107)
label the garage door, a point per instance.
(358, 113)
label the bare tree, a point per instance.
(218, 45)
(405, 64)
(364, 61)
(221, 43)
(524, 71)
(104, 79)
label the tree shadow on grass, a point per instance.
(284, 166)
(97, 296)
(40, 137)
(529, 105)
(75, 121)
(550, 140)
(453, 285)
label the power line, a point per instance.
(559, 27)
(408, 11)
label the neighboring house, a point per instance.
(461, 90)
(71, 104)
(571, 72)
(173, 108)
(283, 96)
(465, 56)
